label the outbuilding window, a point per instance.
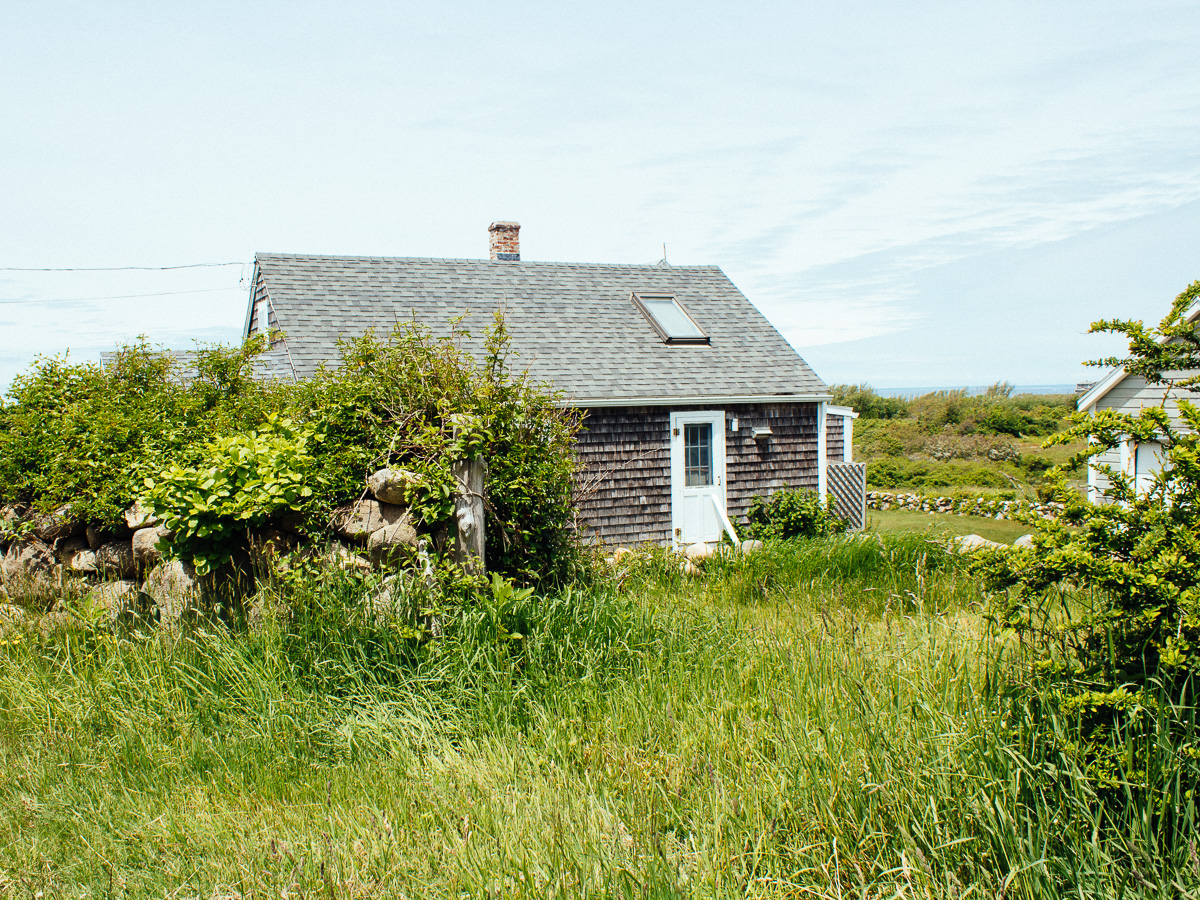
(669, 319)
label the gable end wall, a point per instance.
(1131, 395)
(623, 488)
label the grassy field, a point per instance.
(946, 443)
(822, 719)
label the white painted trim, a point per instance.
(250, 302)
(845, 411)
(822, 455)
(1111, 379)
(580, 403)
(848, 439)
(725, 523)
(1093, 490)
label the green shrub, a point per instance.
(87, 436)
(419, 403)
(1122, 666)
(235, 483)
(1003, 420)
(210, 440)
(791, 513)
(863, 399)
(898, 473)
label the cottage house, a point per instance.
(694, 402)
(1123, 392)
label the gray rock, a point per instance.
(969, 542)
(98, 536)
(391, 537)
(119, 602)
(27, 561)
(116, 558)
(175, 589)
(67, 549)
(56, 525)
(345, 558)
(391, 485)
(357, 521)
(751, 546)
(146, 552)
(140, 516)
(1025, 540)
(389, 602)
(698, 551)
(83, 562)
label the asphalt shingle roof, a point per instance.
(572, 324)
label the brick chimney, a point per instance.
(505, 242)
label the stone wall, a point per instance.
(970, 506)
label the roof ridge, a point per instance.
(488, 262)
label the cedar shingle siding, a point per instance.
(625, 465)
(835, 438)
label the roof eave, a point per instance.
(691, 400)
(1097, 391)
(841, 411)
(250, 301)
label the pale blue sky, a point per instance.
(916, 194)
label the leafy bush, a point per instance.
(86, 436)
(419, 403)
(236, 482)
(1124, 666)
(791, 513)
(900, 473)
(1003, 420)
(223, 450)
(864, 400)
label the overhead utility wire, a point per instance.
(116, 297)
(128, 268)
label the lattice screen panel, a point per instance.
(848, 484)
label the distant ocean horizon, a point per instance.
(976, 389)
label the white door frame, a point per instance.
(679, 492)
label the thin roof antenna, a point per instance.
(663, 262)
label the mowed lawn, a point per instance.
(942, 525)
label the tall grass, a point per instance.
(824, 719)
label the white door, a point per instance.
(1147, 463)
(697, 475)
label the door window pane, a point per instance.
(697, 455)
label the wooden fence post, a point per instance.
(468, 514)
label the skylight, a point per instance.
(669, 319)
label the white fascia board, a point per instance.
(606, 402)
(1111, 379)
(841, 411)
(250, 302)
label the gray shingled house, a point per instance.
(694, 402)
